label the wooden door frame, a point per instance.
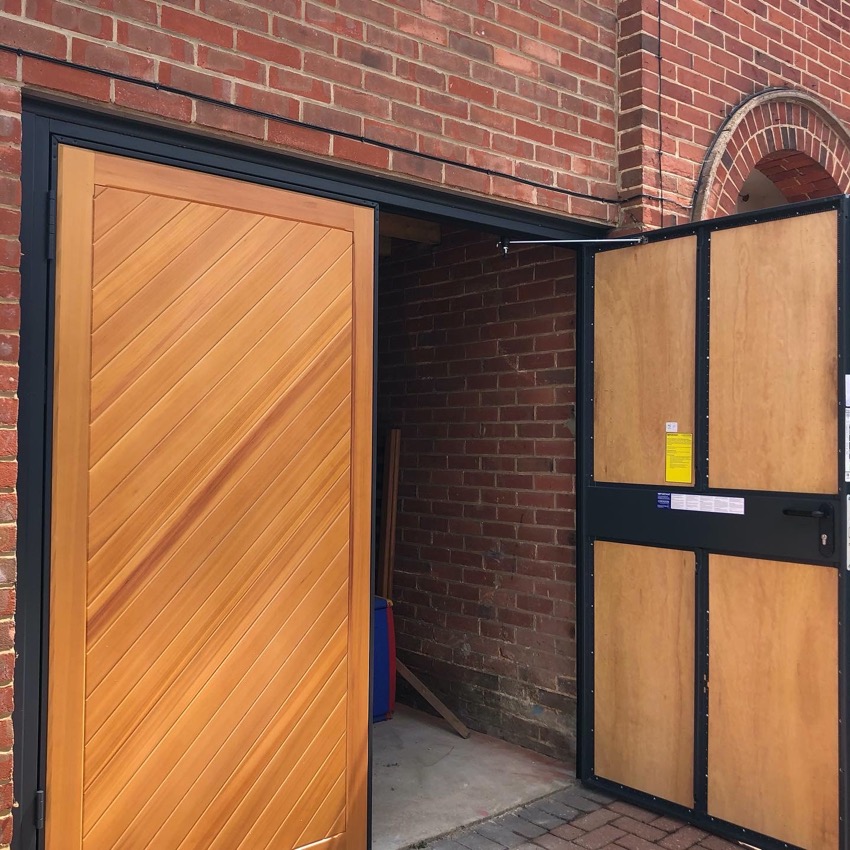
(45, 126)
(624, 501)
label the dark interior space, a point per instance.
(476, 367)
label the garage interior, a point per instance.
(476, 374)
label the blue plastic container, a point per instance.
(383, 660)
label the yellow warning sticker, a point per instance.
(679, 460)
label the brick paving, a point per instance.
(578, 819)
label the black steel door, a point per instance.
(713, 519)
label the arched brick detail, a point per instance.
(767, 130)
(798, 176)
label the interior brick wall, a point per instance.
(476, 365)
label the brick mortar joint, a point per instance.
(273, 16)
(574, 194)
(114, 44)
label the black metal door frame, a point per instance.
(629, 514)
(45, 126)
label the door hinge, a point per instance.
(51, 224)
(39, 809)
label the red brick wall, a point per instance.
(713, 54)
(10, 287)
(522, 89)
(525, 101)
(477, 368)
(798, 176)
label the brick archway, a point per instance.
(798, 176)
(789, 135)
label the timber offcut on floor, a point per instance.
(428, 781)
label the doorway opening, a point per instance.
(785, 177)
(497, 635)
(475, 375)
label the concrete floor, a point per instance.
(428, 781)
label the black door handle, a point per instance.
(817, 514)
(826, 531)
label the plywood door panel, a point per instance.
(773, 699)
(643, 361)
(773, 396)
(644, 611)
(210, 536)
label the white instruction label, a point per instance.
(672, 427)
(707, 504)
(847, 390)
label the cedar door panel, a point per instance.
(209, 629)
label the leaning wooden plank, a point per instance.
(389, 513)
(450, 717)
(395, 454)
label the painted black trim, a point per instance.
(33, 492)
(703, 306)
(701, 681)
(584, 546)
(629, 513)
(145, 141)
(841, 535)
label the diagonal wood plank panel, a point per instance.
(210, 535)
(115, 534)
(126, 236)
(127, 728)
(263, 800)
(112, 206)
(154, 602)
(122, 676)
(116, 305)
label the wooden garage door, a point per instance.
(208, 679)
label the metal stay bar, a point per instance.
(504, 244)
